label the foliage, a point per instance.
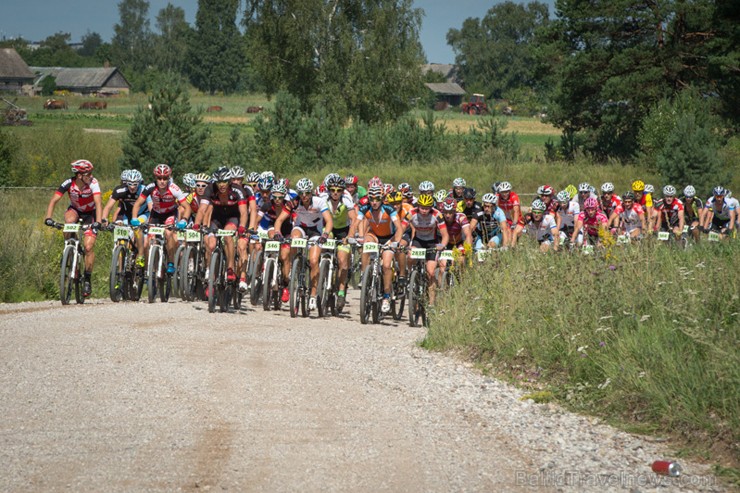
(215, 51)
(54, 51)
(48, 85)
(356, 59)
(495, 54)
(170, 132)
(724, 59)
(8, 150)
(91, 42)
(132, 39)
(171, 44)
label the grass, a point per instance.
(646, 335)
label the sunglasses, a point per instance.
(375, 199)
(201, 185)
(336, 189)
(163, 179)
(304, 194)
(278, 197)
(89, 173)
(131, 184)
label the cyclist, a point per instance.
(588, 223)
(356, 192)
(541, 225)
(85, 205)
(629, 217)
(646, 201)
(459, 234)
(671, 212)
(403, 209)
(471, 208)
(719, 213)
(428, 230)
(344, 221)
(693, 210)
(238, 175)
(125, 196)
(584, 192)
(508, 201)
(407, 193)
(568, 210)
(379, 223)
(609, 201)
(491, 232)
(192, 203)
(225, 206)
(458, 187)
(546, 194)
(269, 211)
(166, 197)
(311, 220)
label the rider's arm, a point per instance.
(576, 230)
(445, 236)
(243, 215)
(468, 234)
(137, 205)
(515, 234)
(108, 207)
(352, 215)
(681, 220)
(52, 203)
(280, 220)
(98, 207)
(516, 214)
(328, 221)
(399, 229)
(253, 219)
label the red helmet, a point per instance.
(375, 182)
(449, 205)
(388, 188)
(162, 171)
(82, 166)
(351, 180)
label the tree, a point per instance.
(55, 51)
(616, 58)
(356, 58)
(216, 49)
(172, 41)
(496, 54)
(131, 43)
(170, 132)
(91, 41)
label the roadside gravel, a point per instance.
(167, 397)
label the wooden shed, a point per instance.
(15, 75)
(447, 92)
(100, 81)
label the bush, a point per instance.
(8, 152)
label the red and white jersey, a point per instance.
(164, 202)
(507, 205)
(456, 227)
(630, 217)
(670, 212)
(308, 217)
(426, 225)
(81, 199)
(592, 224)
(610, 206)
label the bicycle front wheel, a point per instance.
(177, 281)
(151, 272)
(66, 279)
(116, 275)
(213, 280)
(415, 299)
(295, 287)
(267, 279)
(366, 295)
(255, 274)
(324, 288)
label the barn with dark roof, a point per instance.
(15, 75)
(101, 81)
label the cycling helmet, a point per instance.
(504, 186)
(607, 187)
(425, 200)
(440, 195)
(538, 206)
(628, 196)
(394, 197)
(279, 187)
(638, 186)
(426, 187)
(375, 192)
(265, 183)
(388, 188)
(449, 205)
(81, 166)
(304, 185)
(689, 192)
(592, 189)
(202, 178)
(469, 193)
(718, 191)
(584, 187)
(590, 203)
(490, 198)
(351, 179)
(188, 179)
(572, 191)
(335, 181)
(649, 188)
(459, 182)
(375, 182)
(238, 172)
(669, 191)
(252, 177)
(222, 174)
(134, 175)
(125, 174)
(405, 189)
(563, 196)
(162, 171)
(545, 190)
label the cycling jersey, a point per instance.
(721, 210)
(193, 200)
(473, 212)
(490, 225)
(383, 226)
(645, 201)
(427, 225)
(340, 214)
(507, 205)
(591, 224)
(126, 199)
(455, 228)
(164, 203)
(670, 212)
(611, 205)
(692, 208)
(630, 218)
(542, 231)
(81, 199)
(310, 217)
(227, 205)
(568, 216)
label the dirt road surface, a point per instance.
(167, 397)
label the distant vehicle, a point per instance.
(476, 105)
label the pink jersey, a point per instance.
(81, 199)
(592, 224)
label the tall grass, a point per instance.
(646, 333)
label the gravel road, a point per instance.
(167, 397)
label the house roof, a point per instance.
(446, 88)
(13, 66)
(82, 78)
(446, 70)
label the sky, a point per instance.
(35, 20)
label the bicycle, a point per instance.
(219, 288)
(255, 268)
(271, 276)
(158, 281)
(450, 272)
(126, 280)
(298, 286)
(177, 281)
(73, 263)
(192, 267)
(371, 288)
(417, 290)
(326, 290)
(355, 266)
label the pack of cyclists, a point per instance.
(261, 205)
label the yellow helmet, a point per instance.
(394, 197)
(425, 200)
(638, 185)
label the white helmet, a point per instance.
(584, 187)
(459, 182)
(304, 185)
(689, 191)
(490, 198)
(426, 187)
(504, 186)
(607, 187)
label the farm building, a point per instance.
(449, 93)
(446, 70)
(102, 81)
(15, 76)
